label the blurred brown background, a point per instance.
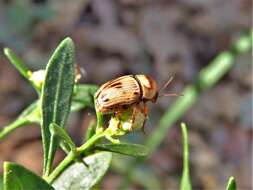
(162, 38)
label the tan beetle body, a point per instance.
(123, 92)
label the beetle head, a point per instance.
(148, 87)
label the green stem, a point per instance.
(61, 167)
(29, 115)
(90, 142)
(72, 156)
(11, 127)
(100, 119)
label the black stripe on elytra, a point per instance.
(139, 83)
(116, 85)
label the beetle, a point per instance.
(127, 91)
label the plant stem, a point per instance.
(100, 120)
(64, 164)
(11, 127)
(90, 142)
(28, 116)
(72, 156)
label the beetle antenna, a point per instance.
(171, 94)
(165, 84)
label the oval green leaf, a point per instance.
(19, 65)
(56, 95)
(16, 177)
(78, 177)
(129, 149)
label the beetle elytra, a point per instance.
(119, 94)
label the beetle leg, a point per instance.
(145, 111)
(133, 116)
(119, 111)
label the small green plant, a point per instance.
(84, 166)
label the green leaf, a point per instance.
(83, 96)
(1, 182)
(56, 96)
(16, 177)
(60, 132)
(231, 184)
(185, 180)
(20, 66)
(78, 177)
(129, 149)
(32, 112)
(17, 62)
(65, 147)
(30, 115)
